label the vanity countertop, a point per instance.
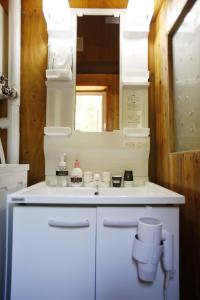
(149, 194)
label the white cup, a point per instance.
(106, 176)
(87, 176)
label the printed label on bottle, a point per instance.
(61, 173)
(76, 179)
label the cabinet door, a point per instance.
(116, 271)
(53, 255)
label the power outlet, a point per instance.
(129, 144)
(135, 145)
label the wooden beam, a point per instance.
(157, 6)
(98, 3)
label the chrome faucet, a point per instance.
(97, 181)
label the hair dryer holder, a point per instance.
(147, 253)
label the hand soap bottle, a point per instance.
(62, 172)
(76, 175)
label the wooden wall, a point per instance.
(178, 171)
(33, 89)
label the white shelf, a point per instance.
(59, 83)
(57, 131)
(131, 83)
(129, 34)
(59, 74)
(136, 132)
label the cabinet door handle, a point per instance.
(115, 223)
(63, 224)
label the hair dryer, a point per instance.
(150, 244)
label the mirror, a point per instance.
(97, 74)
(185, 44)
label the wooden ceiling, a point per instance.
(86, 4)
(98, 3)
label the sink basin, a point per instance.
(150, 193)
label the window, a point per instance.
(90, 111)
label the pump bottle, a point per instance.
(62, 172)
(76, 175)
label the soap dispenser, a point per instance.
(76, 175)
(62, 172)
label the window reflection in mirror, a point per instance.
(186, 81)
(97, 74)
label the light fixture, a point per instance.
(57, 14)
(139, 12)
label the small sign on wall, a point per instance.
(135, 107)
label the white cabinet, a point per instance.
(54, 257)
(116, 271)
(53, 253)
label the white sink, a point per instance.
(148, 194)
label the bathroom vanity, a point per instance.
(69, 243)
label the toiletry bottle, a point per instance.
(76, 175)
(62, 172)
(128, 178)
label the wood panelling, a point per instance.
(151, 106)
(33, 89)
(157, 7)
(185, 179)
(178, 171)
(4, 4)
(111, 81)
(32, 6)
(98, 3)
